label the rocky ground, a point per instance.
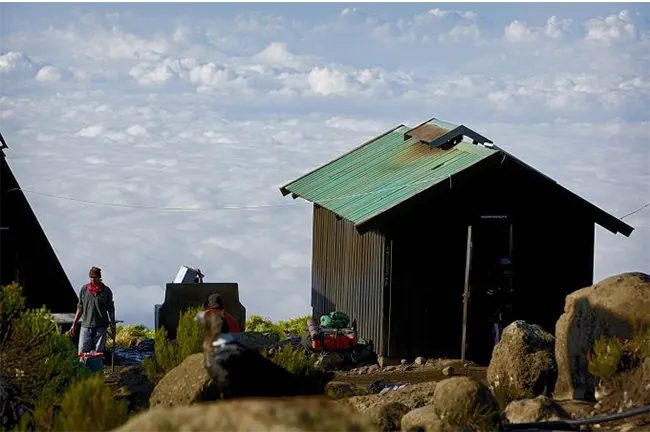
(431, 394)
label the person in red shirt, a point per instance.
(215, 304)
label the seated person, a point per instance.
(215, 304)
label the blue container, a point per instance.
(93, 362)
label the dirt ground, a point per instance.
(411, 377)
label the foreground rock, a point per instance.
(534, 410)
(463, 401)
(426, 419)
(388, 417)
(186, 384)
(253, 415)
(609, 308)
(525, 359)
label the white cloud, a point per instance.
(48, 74)
(16, 62)
(210, 114)
(613, 28)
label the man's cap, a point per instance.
(95, 272)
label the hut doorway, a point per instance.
(489, 265)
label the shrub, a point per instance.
(294, 327)
(167, 355)
(295, 360)
(36, 362)
(124, 334)
(610, 355)
(89, 405)
(259, 324)
(603, 359)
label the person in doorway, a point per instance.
(215, 304)
(500, 295)
(97, 312)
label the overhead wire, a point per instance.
(243, 207)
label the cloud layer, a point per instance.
(212, 115)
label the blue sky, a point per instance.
(214, 106)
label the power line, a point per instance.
(250, 207)
(636, 211)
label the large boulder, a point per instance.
(523, 360)
(253, 415)
(609, 308)
(426, 419)
(388, 417)
(412, 396)
(463, 401)
(534, 410)
(186, 384)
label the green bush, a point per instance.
(610, 355)
(603, 359)
(293, 327)
(89, 405)
(295, 360)
(36, 363)
(168, 355)
(124, 334)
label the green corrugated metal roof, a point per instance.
(383, 173)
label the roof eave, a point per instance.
(601, 217)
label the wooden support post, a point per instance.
(466, 293)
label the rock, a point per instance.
(463, 400)
(256, 340)
(539, 409)
(448, 371)
(404, 362)
(131, 383)
(332, 361)
(524, 358)
(390, 368)
(412, 396)
(146, 345)
(339, 390)
(388, 417)
(606, 308)
(425, 419)
(135, 341)
(420, 361)
(187, 383)
(252, 415)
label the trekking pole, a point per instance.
(113, 354)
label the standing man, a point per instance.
(215, 304)
(97, 309)
(500, 296)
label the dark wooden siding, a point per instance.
(348, 273)
(553, 254)
(27, 256)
